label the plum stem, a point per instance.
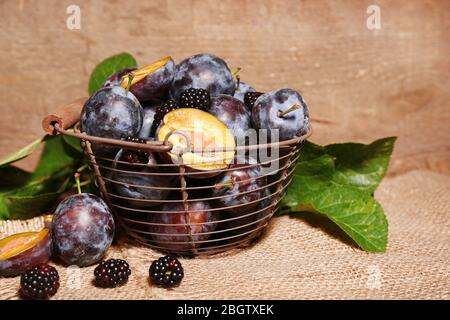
(130, 79)
(84, 183)
(238, 82)
(77, 180)
(236, 72)
(227, 184)
(285, 112)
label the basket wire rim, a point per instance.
(235, 235)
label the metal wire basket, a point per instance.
(183, 230)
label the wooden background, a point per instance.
(363, 84)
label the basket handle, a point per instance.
(65, 116)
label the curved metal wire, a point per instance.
(185, 229)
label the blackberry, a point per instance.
(133, 155)
(160, 112)
(166, 271)
(112, 273)
(250, 98)
(41, 282)
(195, 98)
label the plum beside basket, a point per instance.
(134, 222)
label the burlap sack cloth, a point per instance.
(302, 257)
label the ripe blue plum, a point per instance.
(112, 112)
(232, 112)
(82, 229)
(241, 187)
(283, 110)
(242, 89)
(174, 213)
(202, 71)
(149, 116)
(138, 183)
(247, 221)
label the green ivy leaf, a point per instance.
(34, 197)
(13, 178)
(22, 153)
(338, 181)
(24, 195)
(360, 165)
(26, 207)
(107, 67)
(75, 143)
(36, 193)
(57, 155)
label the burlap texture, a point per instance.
(303, 257)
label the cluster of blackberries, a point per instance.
(190, 98)
(42, 281)
(134, 155)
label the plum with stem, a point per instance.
(283, 110)
(82, 229)
(241, 186)
(151, 82)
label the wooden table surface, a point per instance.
(362, 84)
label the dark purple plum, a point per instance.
(153, 81)
(232, 112)
(149, 116)
(116, 78)
(247, 221)
(82, 229)
(174, 213)
(202, 71)
(283, 110)
(111, 112)
(240, 186)
(241, 90)
(138, 183)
